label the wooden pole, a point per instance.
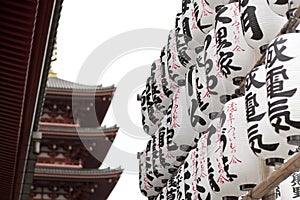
(264, 188)
(266, 172)
(270, 196)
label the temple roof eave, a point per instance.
(75, 174)
(60, 86)
(79, 131)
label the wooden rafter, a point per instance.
(263, 189)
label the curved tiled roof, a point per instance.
(78, 129)
(91, 172)
(57, 83)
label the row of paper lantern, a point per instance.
(193, 82)
(225, 61)
(260, 19)
(193, 181)
(229, 153)
(172, 135)
(279, 7)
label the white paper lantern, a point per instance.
(204, 99)
(181, 132)
(213, 4)
(182, 53)
(181, 195)
(164, 148)
(157, 179)
(235, 57)
(143, 183)
(147, 187)
(190, 167)
(198, 119)
(151, 116)
(215, 166)
(175, 69)
(163, 194)
(264, 142)
(167, 156)
(152, 156)
(187, 50)
(176, 137)
(168, 85)
(214, 87)
(188, 20)
(260, 23)
(240, 164)
(196, 21)
(232, 166)
(282, 63)
(184, 134)
(205, 18)
(178, 23)
(163, 170)
(214, 158)
(170, 157)
(176, 186)
(290, 188)
(160, 99)
(202, 183)
(148, 126)
(281, 7)
(154, 113)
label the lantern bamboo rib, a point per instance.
(292, 24)
(263, 189)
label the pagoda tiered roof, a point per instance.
(75, 104)
(89, 131)
(89, 145)
(67, 87)
(83, 184)
(77, 173)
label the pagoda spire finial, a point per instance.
(53, 59)
(52, 73)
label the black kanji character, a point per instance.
(255, 140)
(213, 184)
(274, 53)
(275, 80)
(226, 63)
(278, 111)
(251, 81)
(221, 39)
(231, 177)
(219, 18)
(249, 20)
(251, 105)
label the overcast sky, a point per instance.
(87, 25)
